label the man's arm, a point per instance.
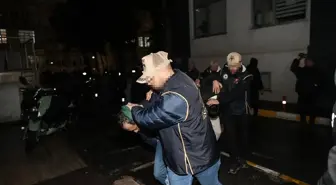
(295, 66)
(170, 109)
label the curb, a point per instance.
(127, 180)
(283, 177)
(291, 116)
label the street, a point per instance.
(99, 152)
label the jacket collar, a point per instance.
(171, 82)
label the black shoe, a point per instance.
(234, 168)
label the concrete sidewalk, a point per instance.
(289, 112)
(291, 116)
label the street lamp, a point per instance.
(93, 57)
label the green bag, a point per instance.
(127, 112)
(125, 115)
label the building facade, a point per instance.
(273, 31)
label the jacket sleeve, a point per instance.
(152, 141)
(236, 93)
(169, 110)
(295, 66)
(212, 77)
(146, 103)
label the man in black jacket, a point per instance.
(193, 72)
(306, 87)
(256, 85)
(212, 69)
(233, 85)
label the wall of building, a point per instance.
(275, 47)
(9, 97)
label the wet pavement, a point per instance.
(108, 153)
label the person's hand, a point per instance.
(212, 102)
(131, 105)
(130, 127)
(149, 95)
(198, 82)
(216, 86)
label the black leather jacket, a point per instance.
(236, 90)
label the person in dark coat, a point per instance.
(307, 85)
(180, 117)
(256, 85)
(213, 110)
(193, 72)
(233, 86)
(213, 68)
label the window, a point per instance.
(209, 17)
(273, 12)
(3, 36)
(266, 79)
(144, 42)
(26, 35)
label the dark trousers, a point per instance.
(254, 102)
(306, 105)
(236, 129)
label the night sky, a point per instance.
(88, 24)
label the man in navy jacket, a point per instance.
(180, 116)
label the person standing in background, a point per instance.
(306, 86)
(256, 85)
(193, 72)
(233, 85)
(213, 68)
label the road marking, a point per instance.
(126, 180)
(143, 166)
(291, 116)
(123, 150)
(262, 155)
(285, 178)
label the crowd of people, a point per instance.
(187, 111)
(183, 115)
